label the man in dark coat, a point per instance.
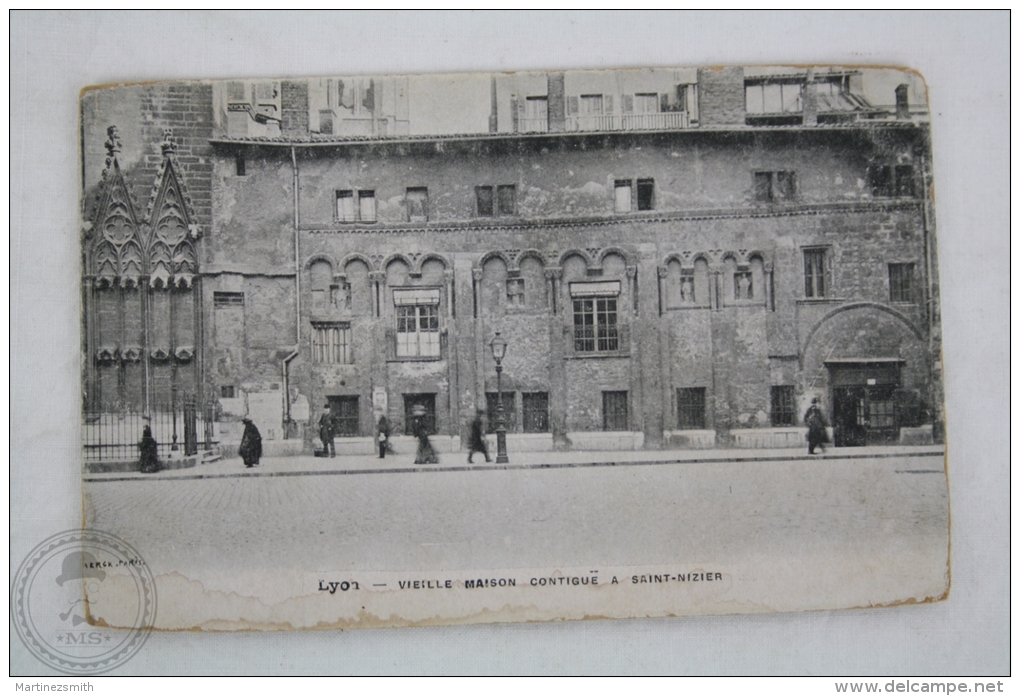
(383, 437)
(148, 459)
(817, 434)
(478, 443)
(251, 444)
(327, 432)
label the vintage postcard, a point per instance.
(402, 350)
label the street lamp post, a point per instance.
(498, 347)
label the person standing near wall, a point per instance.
(148, 458)
(327, 431)
(477, 443)
(383, 436)
(817, 434)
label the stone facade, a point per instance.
(724, 272)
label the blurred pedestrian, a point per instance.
(327, 430)
(426, 454)
(477, 443)
(251, 444)
(383, 437)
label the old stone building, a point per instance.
(676, 258)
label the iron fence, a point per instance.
(181, 431)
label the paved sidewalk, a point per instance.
(457, 461)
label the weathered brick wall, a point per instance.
(721, 95)
(294, 108)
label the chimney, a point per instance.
(721, 96)
(557, 103)
(902, 103)
(294, 105)
(810, 99)
(493, 109)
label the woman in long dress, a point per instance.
(425, 455)
(251, 444)
(148, 454)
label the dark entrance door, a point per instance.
(345, 415)
(864, 402)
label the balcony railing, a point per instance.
(666, 120)
(533, 125)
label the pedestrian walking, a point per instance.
(477, 443)
(426, 454)
(327, 430)
(251, 444)
(814, 419)
(383, 437)
(148, 452)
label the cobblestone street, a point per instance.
(851, 513)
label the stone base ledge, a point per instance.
(688, 439)
(922, 435)
(521, 442)
(126, 465)
(771, 438)
(606, 441)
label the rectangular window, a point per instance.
(417, 204)
(515, 292)
(690, 408)
(536, 412)
(536, 113)
(366, 205)
(509, 411)
(614, 410)
(507, 199)
(483, 201)
(622, 196)
(887, 181)
(331, 344)
(417, 322)
(345, 415)
(345, 210)
(775, 187)
(901, 282)
(420, 403)
(227, 391)
(817, 276)
(228, 299)
(646, 103)
(595, 327)
(591, 104)
(773, 98)
(783, 406)
(645, 194)
(239, 164)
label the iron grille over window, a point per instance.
(783, 406)
(345, 415)
(331, 343)
(817, 276)
(228, 299)
(423, 401)
(509, 411)
(614, 410)
(690, 408)
(536, 412)
(901, 282)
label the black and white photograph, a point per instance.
(386, 350)
(509, 342)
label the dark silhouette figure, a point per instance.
(478, 443)
(426, 454)
(251, 444)
(817, 435)
(148, 453)
(383, 437)
(327, 431)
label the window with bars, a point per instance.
(536, 412)
(331, 343)
(345, 415)
(222, 300)
(901, 282)
(227, 391)
(595, 325)
(614, 410)
(784, 409)
(423, 403)
(690, 408)
(509, 411)
(817, 273)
